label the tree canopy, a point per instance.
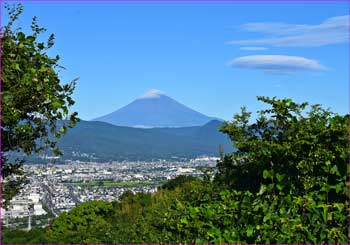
(307, 150)
(33, 98)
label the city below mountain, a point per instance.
(103, 142)
(155, 109)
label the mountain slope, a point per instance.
(155, 109)
(99, 141)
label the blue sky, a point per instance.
(212, 57)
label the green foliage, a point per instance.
(33, 99)
(177, 182)
(86, 223)
(109, 142)
(303, 150)
(243, 217)
(34, 236)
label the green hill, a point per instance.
(99, 141)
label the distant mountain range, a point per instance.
(155, 109)
(103, 142)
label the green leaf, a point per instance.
(184, 221)
(41, 45)
(334, 170)
(224, 194)
(6, 97)
(57, 152)
(250, 231)
(266, 174)
(39, 87)
(339, 187)
(21, 36)
(63, 129)
(280, 177)
(199, 241)
(17, 67)
(262, 190)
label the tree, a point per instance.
(33, 99)
(86, 223)
(34, 236)
(178, 181)
(307, 150)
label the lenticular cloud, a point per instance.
(277, 63)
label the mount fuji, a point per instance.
(155, 110)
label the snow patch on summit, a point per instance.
(152, 94)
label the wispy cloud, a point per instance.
(278, 64)
(331, 31)
(253, 48)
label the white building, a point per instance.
(38, 209)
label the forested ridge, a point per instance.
(286, 183)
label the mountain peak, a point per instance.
(155, 109)
(152, 94)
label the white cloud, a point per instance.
(253, 48)
(332, 31)
(279, 64)
(151, 94)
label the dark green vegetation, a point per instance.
(34, 236)
(103, 142)
(286, 183)
(33, 99)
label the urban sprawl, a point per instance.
(51, 189)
